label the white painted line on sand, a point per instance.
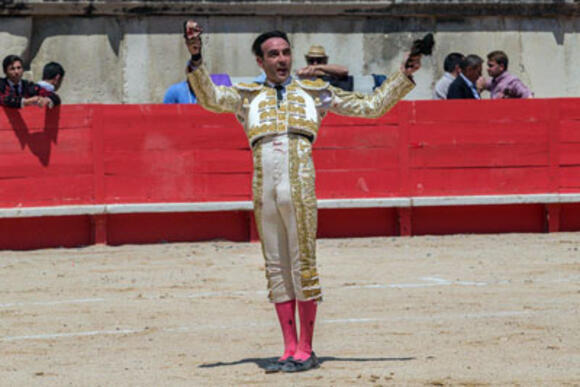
(247, 325)
(57, 302)
(70, 334)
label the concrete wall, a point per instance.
(130, 52)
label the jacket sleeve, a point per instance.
(45, 93)
(374, 105)
(219, 99)
(7, 98)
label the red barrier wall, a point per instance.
(92, 154)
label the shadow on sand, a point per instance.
(262, 362)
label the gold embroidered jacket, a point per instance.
(305, 105)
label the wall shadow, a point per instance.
(39, 142)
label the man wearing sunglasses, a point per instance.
(317, 66)
(281, 119)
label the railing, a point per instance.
(103, 173)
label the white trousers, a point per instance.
(286, 216)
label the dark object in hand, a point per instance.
(421, 47)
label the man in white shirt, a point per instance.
(452, 70)
(52, 76)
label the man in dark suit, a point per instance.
(464, 86)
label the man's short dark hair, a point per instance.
(451, 61)
(9, 60)
(471, 61)
(257, 46)
(51, 70)
(499, 57)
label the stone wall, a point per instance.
(131, 51)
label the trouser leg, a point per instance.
(269, 164)
(286, 216)
(302, 219)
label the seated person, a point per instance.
(16, 92)
(317, 66)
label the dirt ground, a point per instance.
(445, 310)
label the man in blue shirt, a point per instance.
(182, 93)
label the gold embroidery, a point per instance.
(372, 105)
(258, 192)
(266, 103)
(219, 99)
(303, 124)
(297, 109)
(267, 114)
(261, 129)
(248, 86)
(295, 98)
(317, 84)
(302, 183)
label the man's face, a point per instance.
(277, 60)
(313, 60)
(472, 73)
(494, 69)
(14, 71)
(57, 82)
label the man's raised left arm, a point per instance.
(374, 105)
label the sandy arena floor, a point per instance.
(452, 310)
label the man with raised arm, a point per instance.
(281, 119)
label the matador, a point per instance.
(281, 119)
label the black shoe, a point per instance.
(276, 365)
(301, 365)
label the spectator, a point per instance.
(452, 68)
(502, 84)
(181, 92)
(317, 66)
(16, 92)
(464, 86)
(52, 76)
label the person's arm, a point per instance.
(319, 70)
(374, 105)
(7, 98)
(39, 96)
(47, 98)
(517, 89)
(219, 99)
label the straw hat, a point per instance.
(316, 51)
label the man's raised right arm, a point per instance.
(219, 99)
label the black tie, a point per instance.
(16, 90)
(279, 95)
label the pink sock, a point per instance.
(307, 313)
(287, 319)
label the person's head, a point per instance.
(273, 55)
(452, 63)
(53, 73)
(13, 68)
(497, 63)
(471, 67)
(316, 55)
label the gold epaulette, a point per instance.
(308, 84)
(248, 86)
